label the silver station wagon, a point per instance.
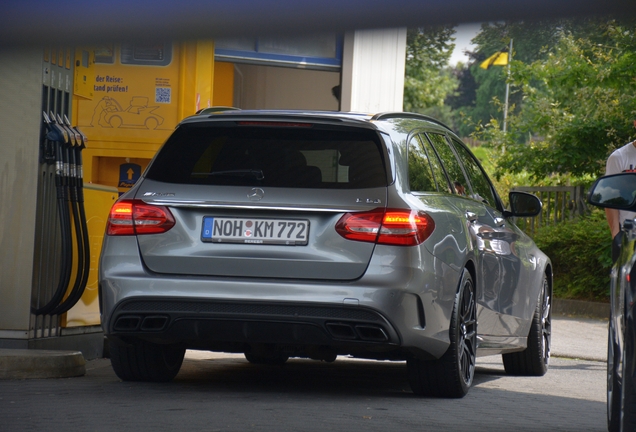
(282, 234)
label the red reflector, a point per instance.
(135, 217)
(390, 226)
(274, 124)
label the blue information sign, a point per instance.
(129, 173)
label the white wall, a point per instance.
(268, 87)
(373, 70)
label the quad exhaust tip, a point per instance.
(368, 333)
(150, 323)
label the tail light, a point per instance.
(135, 217)
(274, 124)
(387, 226)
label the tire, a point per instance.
(144, 361)
(276, 359)
(451, 375)
(628, 393)
(613, 385)
(534, 360)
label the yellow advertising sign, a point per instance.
(134, 93)
(129, 98)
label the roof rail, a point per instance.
(215, 109)
(390, 115)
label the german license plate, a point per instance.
(255, 231)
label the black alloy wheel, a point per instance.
(467, 337)
(534, 360)
(452, 375)
(613, 384)
(627, 419)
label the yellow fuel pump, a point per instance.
(127, 99)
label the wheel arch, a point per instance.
(470, 266)
(548, 273)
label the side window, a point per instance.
(420, 173)
(451, 164)
(436, 166)
(482, 188)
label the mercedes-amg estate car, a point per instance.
(316, 234)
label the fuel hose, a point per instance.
(59, 137)
(81, 228)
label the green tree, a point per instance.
(579, 102)
(428, 79)
(479, 88)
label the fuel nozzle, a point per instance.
(57, 138)
(54, 132)
(80, 144)
(74, 136)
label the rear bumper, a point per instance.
(391, 312)
(211, 324)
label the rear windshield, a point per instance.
(298, 157)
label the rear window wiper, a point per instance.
(257, 174)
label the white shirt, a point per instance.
(623, 160)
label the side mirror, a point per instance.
(617, 191)
(523, 204)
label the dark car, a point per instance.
(618, 191)
(315, 234)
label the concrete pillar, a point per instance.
(373, 70)
(20, 119)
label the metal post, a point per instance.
(505, 114)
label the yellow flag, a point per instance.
(497, 59)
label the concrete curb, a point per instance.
(578, 308)
(29, 364)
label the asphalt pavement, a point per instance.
(572, 337)
(223, 392)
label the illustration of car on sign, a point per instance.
(138, 114)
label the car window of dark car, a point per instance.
(482, 189)
(451, 164)
(421, 176)
(269, 156)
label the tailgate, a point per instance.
(296, 241)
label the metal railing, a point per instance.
(560, 203)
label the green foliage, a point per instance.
(580, 251)
(442, 113)
(478, 87)
(572, 102)
(578, 102)
(428, 81)
(485, 157)
(505, 181)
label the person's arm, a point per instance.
(612, 216)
